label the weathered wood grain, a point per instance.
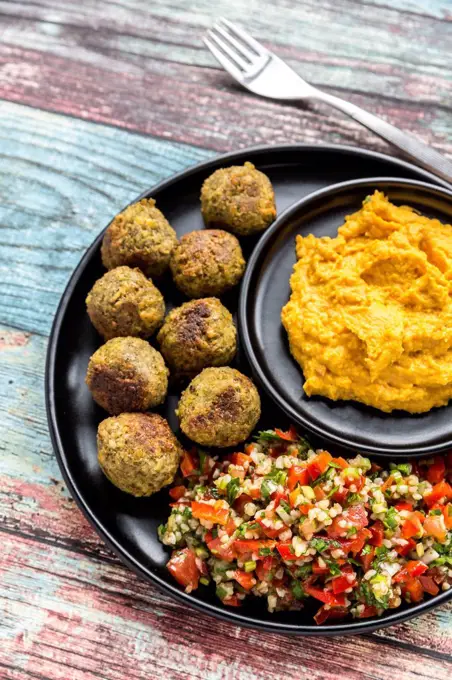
(62, 180)
(144, 68)
(75, 618)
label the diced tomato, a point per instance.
(378, 531)
(319, 464)
(412, 526)
(437, 470)
(305, 507)
(189, 463)
(413, 588)
(286, 551)
(439, 491)
(318, 570)
(341, 461)
(177, 492)
(411, 569)
(434, 526)
(403, 550)
(265, 567)
(232, 601)
(240, 502)
(211, 513)
(240, 459)
(289, 436)
(222, 550)
(183, 568)
(246, 580)
(297, 475)
(324, 614)
(429, 584)
(367, 559)
(230, 527)
(341, 583)
(181, 503)
(340, 495)
(367, 612)
(267, 531)
(403, 505)
(245, 546)
(355, 516)
(447, 514)
(326, 596)
(319, 493)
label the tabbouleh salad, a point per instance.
(282, 521)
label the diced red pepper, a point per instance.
(355, 516)
(297, 475)
(341, 583)
(413, 588)
(305, 507)
(318, 570)
(240, 459)
(340, 495)
(211, 513)
(367, 612)
(286, 551)
(439, 491)
(429, 584)
(437, 470)
(412, 526)
(265, 567)
(289, 436)
(341, 461)
(189, 463)
(246, 580)
(230, 527)
(319, 464)
(403, 505)
(222, 550)
(246, 546)
(319, 493)
(403, 550)
(411, 569)
(367, 559)
(183, 568)
(325, 596)
(278, 496)
(232, 601)
(177, 492)
(324, 614)
(378, 531)
(387, 483)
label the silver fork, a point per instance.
(265, 74)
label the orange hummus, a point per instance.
(370, 315)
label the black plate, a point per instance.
(129, 525)
(266, 289)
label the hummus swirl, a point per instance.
(370, 315)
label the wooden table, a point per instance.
(101, 100)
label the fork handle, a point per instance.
(422, 154)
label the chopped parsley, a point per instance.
(298, 590)
(322, 544)
(232, 489)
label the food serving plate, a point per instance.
(266, 289)
(129, 525)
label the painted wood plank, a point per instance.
(147, 70)
(35, 505)
(62, 181)
(72, 618)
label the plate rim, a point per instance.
(215, 610)
(244, 324)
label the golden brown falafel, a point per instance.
(207, 262)
(239, 199)
(127, 374)
(198, 334)
(138, 452)
(125, 303)
(220, 408)
(141, 237)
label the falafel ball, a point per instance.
(239, 199)
(220, 407)
(198, 334)
(127, 374)
(207, 262)
(125, 303)
(141, 237)
(138, 452)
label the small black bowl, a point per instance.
(265, 290)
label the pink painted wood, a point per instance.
(68, 609)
